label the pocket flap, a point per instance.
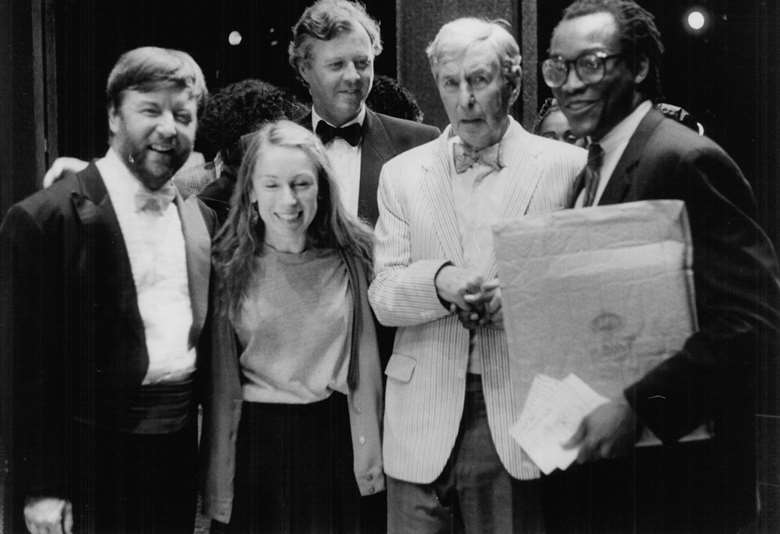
(400, 367)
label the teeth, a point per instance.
(578, 105)
(287, 217)
(161, 148)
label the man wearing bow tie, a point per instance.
(332, 50)
(333, 47)
(104, 283)
(449, 405)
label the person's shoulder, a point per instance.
(396, 126)
(670, 138)
(403, 124)
(417, 156)
(549, 151)
(671, 132)
(557, 149)
(674, 154)
(52, 202)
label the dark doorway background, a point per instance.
(91, 34)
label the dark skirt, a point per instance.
(294, 472)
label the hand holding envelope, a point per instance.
(552, 414)
(608, 431)
(605, 293)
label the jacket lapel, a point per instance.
(198, 249)
(524, 173)
(375, 150)
(620, 180)
(437, 186)
(104, 236)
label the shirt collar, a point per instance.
(623, 130)
(359, 118)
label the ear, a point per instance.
(642, 69)
(113, 119)
(304, 69)
(517, 85)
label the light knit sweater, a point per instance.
(293, 326)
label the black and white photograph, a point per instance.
(389, 267)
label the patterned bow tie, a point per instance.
(466, 157)
(155, 201)
(351, 134)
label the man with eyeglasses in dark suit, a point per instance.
(603, 68)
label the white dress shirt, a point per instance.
(345, 162)
(155, 247)
(614, 144)
(478, 195)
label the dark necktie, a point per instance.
(351, 134)
(588, 178)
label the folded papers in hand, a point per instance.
(552, 412)
(605, 293)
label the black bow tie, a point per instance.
(351, 134)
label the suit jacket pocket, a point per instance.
(401, 367)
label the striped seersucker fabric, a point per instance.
(417, 233)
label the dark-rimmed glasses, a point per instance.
(589, 66)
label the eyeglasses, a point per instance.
(589, 66)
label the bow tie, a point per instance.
(155, 201)
(466, 157)
(351, 134)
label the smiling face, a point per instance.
(594, 109)
(153, 132)
(285, 187)
(339, 73)
(475, 94)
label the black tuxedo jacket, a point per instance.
(73, 342)
(706, 486)
(384, 137)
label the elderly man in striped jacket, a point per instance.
(447, 450)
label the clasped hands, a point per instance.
(476, 302)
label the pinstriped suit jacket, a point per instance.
(416, 234)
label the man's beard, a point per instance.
(140, 166)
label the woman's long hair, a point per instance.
(241, 238)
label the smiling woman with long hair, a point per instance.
(292, 419)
